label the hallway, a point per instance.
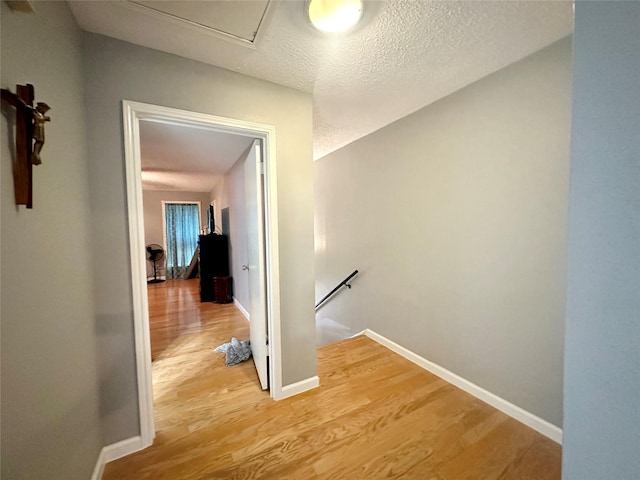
(375, 415)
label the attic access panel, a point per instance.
(234, 20)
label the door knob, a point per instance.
(245, 267)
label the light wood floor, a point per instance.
(375, 415)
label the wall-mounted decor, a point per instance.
(29, 125)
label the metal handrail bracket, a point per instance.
(344, 283)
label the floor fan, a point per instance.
(155, 254)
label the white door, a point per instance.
(254, 194)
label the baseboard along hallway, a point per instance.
(375, 414)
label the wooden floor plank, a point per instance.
(375, 414)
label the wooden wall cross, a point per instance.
(29, 127)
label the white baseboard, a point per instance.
(540, 425)
(239, 306)
(298, 387)
(99, 468)
(114, 452)
(123, 448)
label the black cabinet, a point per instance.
(214, 262)
(222, 289)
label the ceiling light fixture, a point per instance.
(334, 16)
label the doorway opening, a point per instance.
(134, 113)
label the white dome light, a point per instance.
(334, 16)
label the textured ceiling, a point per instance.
(403, 56)
(183, 158)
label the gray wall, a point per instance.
(602, 357)
(456, 218)
(117, 70)
(230, 193)
(50, 393)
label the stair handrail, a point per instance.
(338, 287)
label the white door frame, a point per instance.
(133, 113)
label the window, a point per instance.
(182, 226)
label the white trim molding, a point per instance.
(243, 311)
(133, 113)
(133, 171)
(298, 387)
(114, 452)
(98, 470)
(123, 448)
(529, 419)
